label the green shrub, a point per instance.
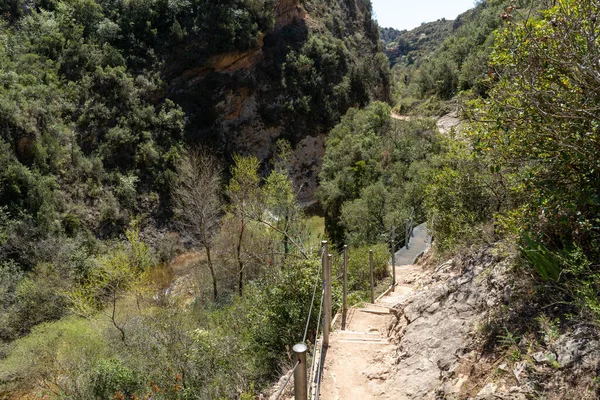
(110, 212)
(57, 353)
(112, 376)
(40, 297)
(462, 194)
(11, 276)
(126, 190)
(71, 224)
(359, 278)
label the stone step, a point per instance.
(374, 305)
(356, 341)
(357, 333)
(389, 303)
(372, 311)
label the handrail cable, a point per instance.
(312, 367)
(312, 302)
(287, 380)
(318, 377)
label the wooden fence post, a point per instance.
(372, 281)
(327, 294)
(300, 375)
(393, 258)
(345, 304)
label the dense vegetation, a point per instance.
(373, 174)
(409, 47)
(539, 127)
(427, 77)
(99, 192)
(85, 143)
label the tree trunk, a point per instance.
(286, 246)
(241, 280)
(113, 317)
(286, 241)
(239, 259)
(212, 270)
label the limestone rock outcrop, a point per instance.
(433, 328)
(447, 335)
(239, 103)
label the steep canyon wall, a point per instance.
(319, 59)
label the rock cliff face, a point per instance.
(288, 12)
(243, 102)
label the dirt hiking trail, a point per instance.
(359, 359)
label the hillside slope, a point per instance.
(408, 47)
(437, 62)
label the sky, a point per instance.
(408, 14)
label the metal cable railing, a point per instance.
(314, 354)
(318, 377)
(301, 380)
(314, 360)
(307, 384)
(312, 302)
(287, 380)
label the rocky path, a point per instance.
(359, 359)
(444, 124)
(397, 116)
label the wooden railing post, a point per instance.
(372, 281)
(345, 304)
(300, 374)
(393, 258)
(327, 294)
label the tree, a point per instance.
(273, 206)
(114, 276)
(351, 161)
(364, 218)
(542, 118)
(243, 192)
(198, 201)
(374, 172)
(282, 212)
